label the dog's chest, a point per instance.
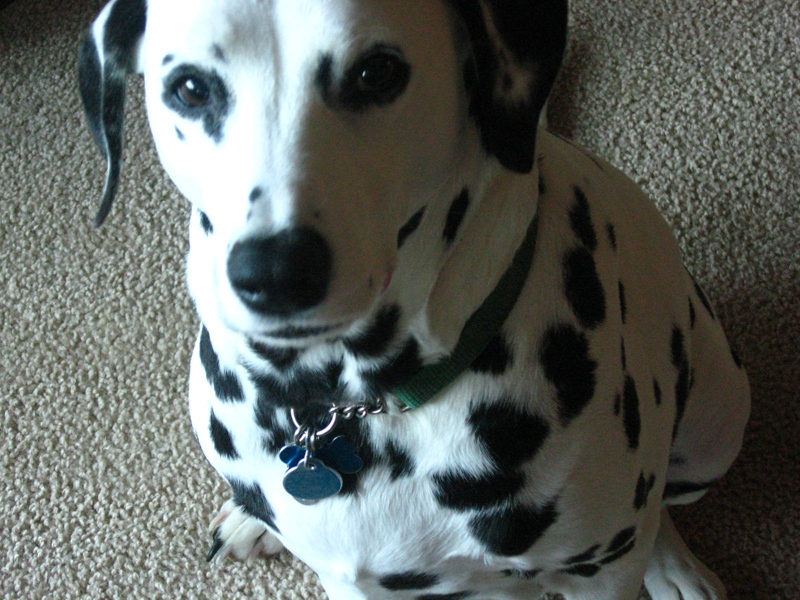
(478, 491)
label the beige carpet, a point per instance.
(104, 491)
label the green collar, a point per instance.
(478, 331)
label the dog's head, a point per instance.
(308, 133)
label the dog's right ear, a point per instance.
(110, 52)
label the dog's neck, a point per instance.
(504, 206)
(436, 291)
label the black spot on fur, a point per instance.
(462, 491)
(301, 388)
(455, 216)
(657, 392)
(167, 59)
(703, 298)
(623, 355)
(692, 314)
(251, 499)
(410, 227)
(586, 565)
(643, 489)
(612, 236)
(453, 596)
(623, 303)
(677, 348)
(511, 435)
(512, 531)
(226, 384)
(495, 358)
(682, 387)
(631, 417)
(218, 53)
(622, 539)
(564, 355)
(586, 570)
(280, 358)
(677, 459)
(280, 434)
(399, 461)
(583, 557)
(180, 135)
(683, 383)
(374, 342)
(408, 581)
(324, 78)
(223, 442)
(255, 194)
(619, 553)
(583, 289)
(205, 223)
(399, 368)
(581, 220)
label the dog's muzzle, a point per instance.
(283, 274)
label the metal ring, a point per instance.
(294, 418)
(329, 427)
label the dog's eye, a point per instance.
(192, 92)
(378, 72)
(377, 78)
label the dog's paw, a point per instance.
(239, 535)
(674, 573)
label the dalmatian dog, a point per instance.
(444, 353)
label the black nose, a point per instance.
(282, 274)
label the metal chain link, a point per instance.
(309, 436)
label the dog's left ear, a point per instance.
(517, 47)
(110, 52)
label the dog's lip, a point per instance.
(296, 332)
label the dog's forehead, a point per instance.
(266, 28)
(232, 27)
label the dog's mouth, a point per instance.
(297, 332)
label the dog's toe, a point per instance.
(237, 534)
(674, 573)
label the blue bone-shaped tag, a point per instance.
(311, 481)
(340, 455)
(313, 477)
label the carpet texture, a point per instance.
(104, 491)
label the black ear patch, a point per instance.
(517, 48)
(103, 65)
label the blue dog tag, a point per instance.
(291, 455)
(311, 481)
(312, 477)
(341, 456)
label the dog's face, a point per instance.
(308, 132)
(323, 125)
